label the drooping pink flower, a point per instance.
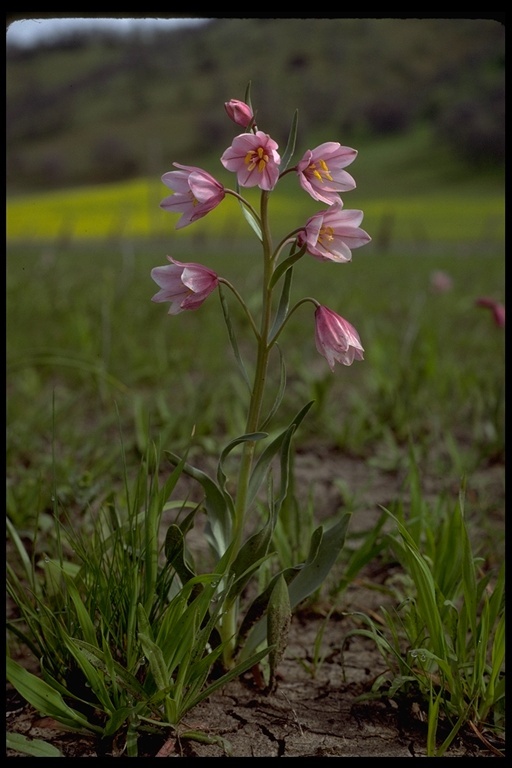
(186, 286)
(321, 172)
(497, 309)
(239, 112)
(332, 234)
(254, 159)
(336, 339)
(196, 193)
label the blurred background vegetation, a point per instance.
(93, 121)
(93, 108)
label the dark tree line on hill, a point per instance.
(104, 107)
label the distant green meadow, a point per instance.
(131, 210)
(83, 336)
(80, 318)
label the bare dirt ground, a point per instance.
(315, 710)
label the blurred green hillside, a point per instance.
(106, 109)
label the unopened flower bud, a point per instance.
(239, 112)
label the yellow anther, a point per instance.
(326, 234)
(256, 158)
(322, 173)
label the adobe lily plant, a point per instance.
(329, 235)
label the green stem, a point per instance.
(243, 201)
(229, 623)
(290, 238)
(290, 313)
(243, 304)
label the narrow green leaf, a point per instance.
(324, 550)
(205, 738)
(469, 585)
(45, 699)
(249, 216)
(132, 740)
(320, 560)
(247, 98)
(433, 719)
(280, 390)
(84, 619)
(123, 678)
(283, 268)
(250, 437)
(451, 736)
(497, 659)
(290, 146)
(156, 661)
(496, 606)
(284, 303)
(94, 678)
(218, 503)
(286, 470)
(232, 336)
(24, 557)
(238, 670)
(260, 470)
(32, 747)
(143, 624)
(425, 588)
(367, 551)
(175, 552)
(278, 625)
(170, 484)
(253, 551)
(259, 605)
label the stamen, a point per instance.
(322, 173)
(326, 234)
(256, 158)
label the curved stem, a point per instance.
(243, 201)
(288, 170)
(290, 238)
(244, 306)
(290, 313)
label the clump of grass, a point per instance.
(445, 638)
(123, 632)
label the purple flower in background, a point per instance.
(497, 309)
(440, 281)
